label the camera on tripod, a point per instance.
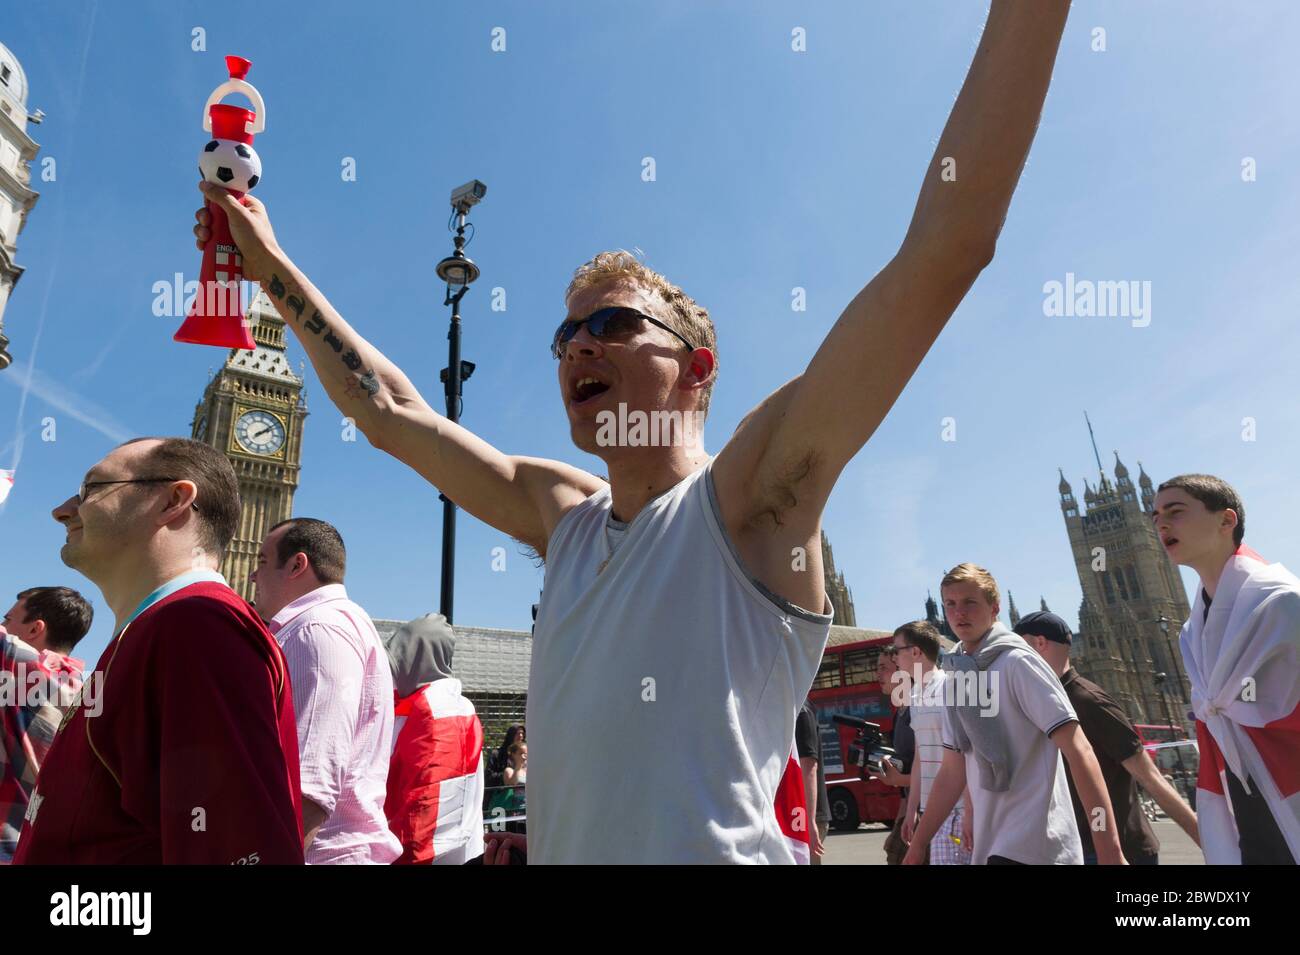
(867, 750)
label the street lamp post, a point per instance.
(1130, 645)
(1162, 683)
(1163, 622)
(459, 273)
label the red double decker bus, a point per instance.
(847, 685)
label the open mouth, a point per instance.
(1170, 541)
(585, 389)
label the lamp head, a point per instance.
(457, 271)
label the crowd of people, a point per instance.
(288, 731)
(683, 619)
(213, 731)
(1039, 765)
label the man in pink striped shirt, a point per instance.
(342, 692)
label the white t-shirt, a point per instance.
(1033, 821)
(663, 691)
(927, 725)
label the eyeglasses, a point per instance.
(611, 324)
(86, 485)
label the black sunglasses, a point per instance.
(85, 485)
(609, 323)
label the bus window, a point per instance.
(859, 667)
(828, 675)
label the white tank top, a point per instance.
(663, 690)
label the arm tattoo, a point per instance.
(296, 304)
(358, 385)
(355, 384)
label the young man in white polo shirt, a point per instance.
(1007, 722)
(342, 692)
(680, 621)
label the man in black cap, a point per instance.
(1124, 763)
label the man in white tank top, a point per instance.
(684, 611)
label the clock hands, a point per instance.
(258, 432)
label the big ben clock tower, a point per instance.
(253, 412)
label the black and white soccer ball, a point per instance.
(230, 164)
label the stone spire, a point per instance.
(837, 591)
(935, 619)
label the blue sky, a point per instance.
(774, 169)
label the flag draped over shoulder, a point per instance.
(792, 812)
(1243, 664)
(435, 779)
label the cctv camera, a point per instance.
(462, 197)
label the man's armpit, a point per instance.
(782, 489)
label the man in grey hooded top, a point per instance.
(435, 780)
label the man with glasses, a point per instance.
(916, 652)
(903, 741)
(680, 622)
(187, 750)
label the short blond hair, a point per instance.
(688, 317)
(973, 574)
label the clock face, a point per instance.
(259, 432)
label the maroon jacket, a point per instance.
(193, 755)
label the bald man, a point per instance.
(188, 751)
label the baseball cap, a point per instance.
(1044, 623)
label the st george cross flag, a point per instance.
(1243, 664)
(792, 812)
(435, 779)
(6, 484)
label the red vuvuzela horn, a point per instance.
(217, 315)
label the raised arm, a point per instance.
(811, 428)
(523, 497)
